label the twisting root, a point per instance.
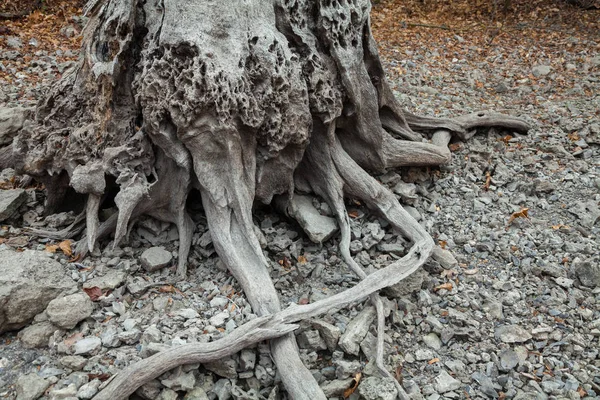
(91, 219)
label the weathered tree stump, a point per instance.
(243, 101)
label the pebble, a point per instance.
(87, 345)
(357, 330)
(512, 334)
(155, 258)
(444, 382)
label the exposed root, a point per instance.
(91, 219)
(130, 379)
(69, 232)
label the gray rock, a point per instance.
(66, 312)
(311, 340)
(423, 355)
(155, 258)
(28, 282)
(10, 201)
(37, 335)
(247, 360)
(64, 393)
(87, 345)
(408, 285)
(75, 363)
(111, 280)
(110, 337)
(432, 341)
(180, 381)
(375, 388)
(318, 228)
(346, 369)
(222, 389)
(167, 394)
(11, 122)
(357, 330)
(336, 387)
(14, 42)
(588, 273)
(444, 257)
(502, 87)
(196, 394)
(30, 387)
(226, 367)
(541, 70)
(508, 360)
(512, 334)
(329, 333)
(149, 390)
(444, 382)
(89, 390)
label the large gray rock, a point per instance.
(10, 201)
(28, 282)
(66, 312)
(11, 122)
(318, 227)
(31, 387)
(37, 335)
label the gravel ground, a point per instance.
(513, 311)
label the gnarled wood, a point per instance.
(242, 101)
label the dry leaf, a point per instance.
(433, 361)
(51, 248)
(65, 246)
(302, 260)
(454, 146)
(353, 214)
(488, 181)
(166, 289)
(348, 392)
(94, 293)
(447, 286)
(519, 214)
(442, 244)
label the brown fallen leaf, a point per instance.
(442, 244)
(65, 246)
(433, 361)
(488, 181)
(519, 214)
(302, 260)
(353, 214)
(166, 289)
(94, 293)
(454, 147)
(100, 377)
(446, 286)
(348, 392)
(51, 248)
